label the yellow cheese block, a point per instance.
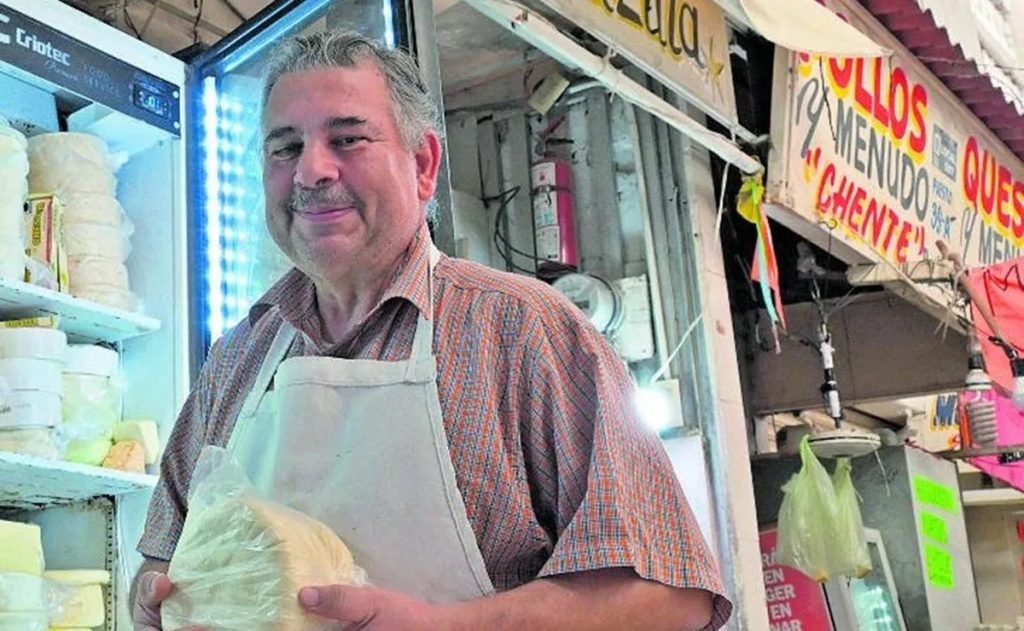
(84, 608)
(144, 432)
(78, 578)
(127, 455)
(21, 548)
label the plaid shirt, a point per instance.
(557, 472)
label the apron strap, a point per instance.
(278, 350)
(423, 342)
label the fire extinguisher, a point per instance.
(553, 211)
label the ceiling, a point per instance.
(172, 25)
(473, 49)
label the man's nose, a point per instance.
(317, 166)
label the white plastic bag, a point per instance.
(241, 560)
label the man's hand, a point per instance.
(151, 590)
(371, 608)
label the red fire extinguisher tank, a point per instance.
(553, 211)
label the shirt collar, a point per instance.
(294, 295)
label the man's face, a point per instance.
(341, 188)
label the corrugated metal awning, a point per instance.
(931, 42)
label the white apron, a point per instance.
(361, 446)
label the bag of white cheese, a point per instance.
(241, 560)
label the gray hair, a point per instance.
(414, 109)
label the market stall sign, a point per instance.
(682, 43)
(885, 156)
(795, 601)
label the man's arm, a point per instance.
(612, 599)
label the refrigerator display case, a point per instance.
(188, 136)
(869, 603)
(233, 249)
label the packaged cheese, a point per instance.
(84, 608)
(22, 592)
(24, 621)
(241, 560)
(47, 258)
(42, 322)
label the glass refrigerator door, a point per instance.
(874, 596)
(869, 603)
(235, 260)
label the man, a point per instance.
(466, 432)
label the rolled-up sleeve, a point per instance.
(602, 481)
(170, 498)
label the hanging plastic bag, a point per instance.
(807, 519)
(851, 547)
(241, 560)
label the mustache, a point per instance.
(303, 197)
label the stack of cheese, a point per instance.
(23, 603)
(32, 599)
(82, 606)
(92, 425)
(13, 190)
(92, 402)
(78, 167)
(31, 365)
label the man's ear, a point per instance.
(428, 163)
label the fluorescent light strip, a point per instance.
(389, 29)
(215, 294)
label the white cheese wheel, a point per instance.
(12, 212)
(96, 239)
(33, 342)
(240, 563)
(69, 162)
(109, 295)
(92, 208)
(33, 441)
(86, 271)
(32, 408)
(24, 373)
(90, 359)
(12, 140)
(12, 258)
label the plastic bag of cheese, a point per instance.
(29, 602)
(241, 560)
